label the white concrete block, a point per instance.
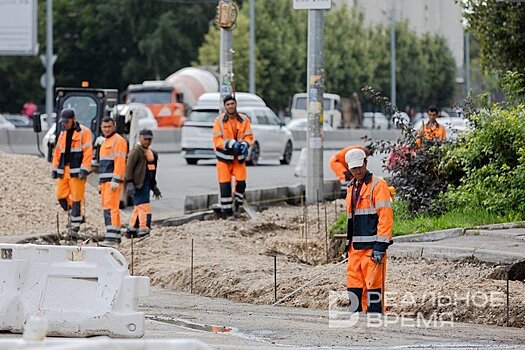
(80, 293)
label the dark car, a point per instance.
(19, 121)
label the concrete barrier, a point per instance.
(167, 140)
(262, 197)
(80, 292)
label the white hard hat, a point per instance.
(355, 158)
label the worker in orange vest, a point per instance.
(112, 171)
(431, 130)
(72, 158)
(232, 139)
(370, 222)
(340, 169)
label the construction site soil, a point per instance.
(235, 259)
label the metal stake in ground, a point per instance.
(132, 257)
(318, 214)
(326, 232)
(58, 228)
(508, 299)
(275, 277)
(191, 277)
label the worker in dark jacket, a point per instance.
(141, 170)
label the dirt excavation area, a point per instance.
(235, 259)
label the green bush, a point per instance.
(492, 161)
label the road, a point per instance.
(177, 180)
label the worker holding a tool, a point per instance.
(232, 139)
(369, 233)
(340, 169)
(112, 171)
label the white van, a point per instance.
(331, 108)
(272, 139)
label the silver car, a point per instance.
(272, 139)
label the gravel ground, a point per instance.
(235, 259)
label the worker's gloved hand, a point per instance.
(99, 140)
(236, 148)
(347, 249)
(156, 193)
(130, 189)
(244, 149)
(114, 185)
(348, 176)
(83, 174)
(344, 188)
(54, 174)
(377, 256)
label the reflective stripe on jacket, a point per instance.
(112, 159)
(370, 223)
(81, 153)
(226, 132)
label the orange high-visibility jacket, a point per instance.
(112, 160)
(226, 132)
(81, 151)
(338, 163)
(437, 131)
(370, 222)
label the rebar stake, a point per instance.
(275, 278)
(191, 278)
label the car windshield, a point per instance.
(150, 97)
(300, 103)
(85, 108)
(203, 116)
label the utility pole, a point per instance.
(50, 60)
(252, 47)
(226, 17)
(314, 89)
(393, 53)
(467, 63)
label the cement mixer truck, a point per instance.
(171, 99)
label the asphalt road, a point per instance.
(177, 180)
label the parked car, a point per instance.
(5, 124)
(301, 124)
(19, 121)
(272, 139)
(331, 108)
(375, 120)
(145, 116)
(400, 118)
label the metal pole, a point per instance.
(252, 47)
(326, 232)
(132, 257)
(393, 54)
(467, 63)
(314, 89)
(191, 278)
(49, 62)
(226, 62)
(275, 277)
(508, 299)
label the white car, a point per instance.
(145, 115)
(331, 108)
(5, 124)
(301, 124)
(375, 120)
(272, 139)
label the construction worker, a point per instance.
(340, 169)
(431, 130)
(141, 172)
(232, 138)
(72, 158)
(370, 221)
(112, 171)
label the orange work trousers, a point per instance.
(225, 171)
(365, 280)
(111, 209)
(70, 194)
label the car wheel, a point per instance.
(191, 161)
(287, 155)
(254, 155)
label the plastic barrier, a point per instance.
(81, 292)
(104, 344)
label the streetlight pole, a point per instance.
(314, 89)
(467, 63)
(49, 62)
(393, 53)
(226, 19)
(252, 47)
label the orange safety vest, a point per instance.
(371, 219)
(81, 153)
(112, 159)
(431, 133)
(226, 132)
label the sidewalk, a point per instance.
(491, 244)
